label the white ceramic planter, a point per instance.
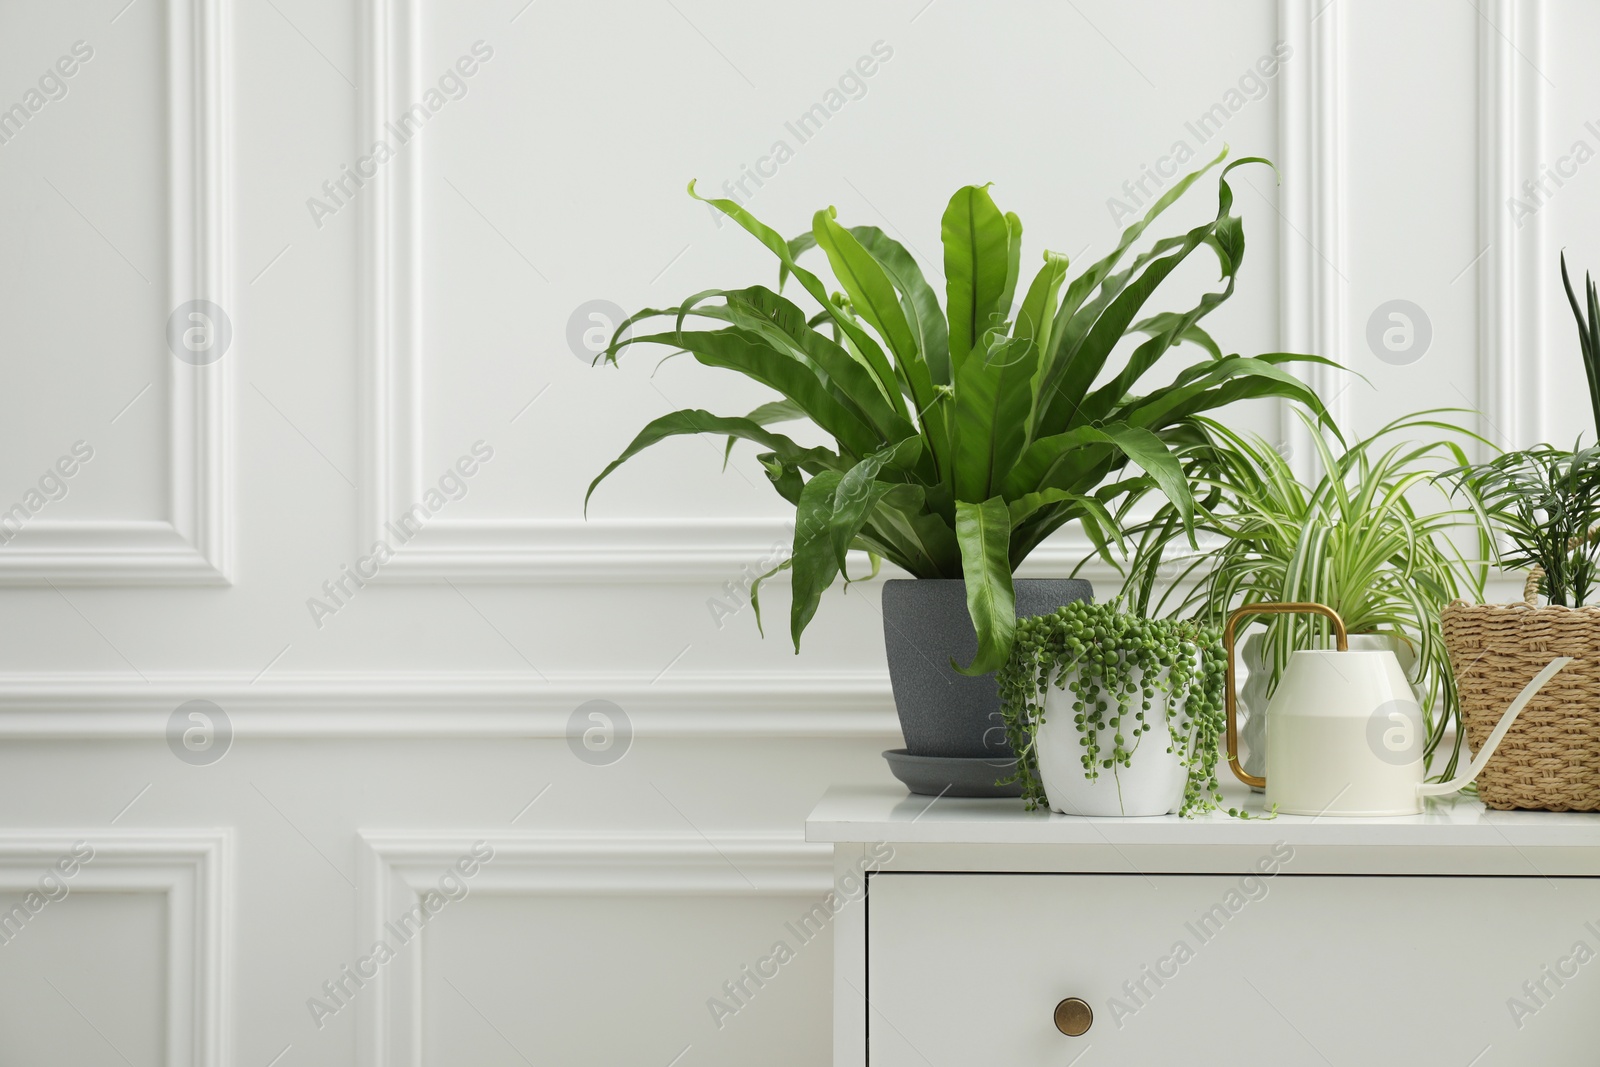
(1152, 785)
(1253, 701)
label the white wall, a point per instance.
(375, 342)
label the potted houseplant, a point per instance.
(965, 434)
(1539, 508)
(1112, 713)
(1358, 540)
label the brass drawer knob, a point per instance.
(1074, 1017)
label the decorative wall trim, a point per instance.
(397, 704)
(392, 279)
(192, 545)
(201, 213)
(1312, 241)
(190, 868)
(1512, 272)
(555, 550)
(110, 552)
(397, 867)
(657, 551)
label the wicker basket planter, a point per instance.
(1550, 761)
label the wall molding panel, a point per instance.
(192, 546)
(1513, 271)
(397, 867)
(391, 284)
(189, 868)
(564, 551)
(201, 213)
(657, 551)
(391, 704)
(546, 551)
(1311, 239)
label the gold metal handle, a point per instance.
(1228, 632)
(1074, 1017)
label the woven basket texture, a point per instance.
(1550, 759)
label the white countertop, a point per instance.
(888, 813)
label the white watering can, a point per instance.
(1344, 731)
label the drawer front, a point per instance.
(1227, 970)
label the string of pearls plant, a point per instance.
(1114, 663)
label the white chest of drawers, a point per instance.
(1459, 937)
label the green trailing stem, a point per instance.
(1115, 665)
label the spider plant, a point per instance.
(1545, 501)
(963, 435)
(1356, 541)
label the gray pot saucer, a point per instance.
(953, 776)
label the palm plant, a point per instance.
(1355, 541)
(965, 435)
(1546, 502)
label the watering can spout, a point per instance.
(1499, 732)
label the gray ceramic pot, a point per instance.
(925, 626)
